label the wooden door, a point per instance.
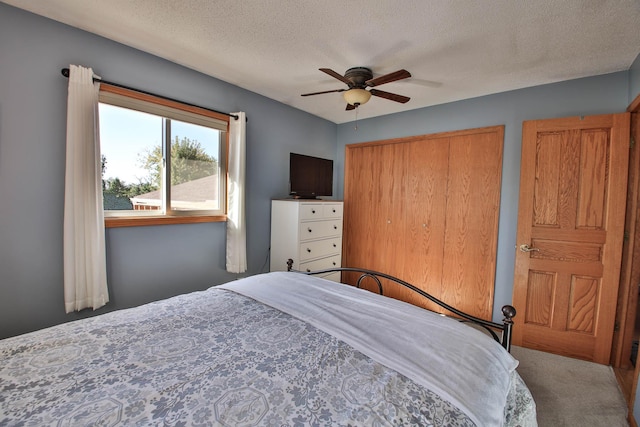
(570, 230)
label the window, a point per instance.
(162, 161)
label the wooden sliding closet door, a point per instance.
(471, 238)
(376, 210)
(425, 209)
(424, 225)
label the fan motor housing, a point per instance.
(358, 76)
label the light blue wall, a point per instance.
(144, 263)
(589, 96)
(634, 80)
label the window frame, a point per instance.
(137, 101)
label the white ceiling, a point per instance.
(454, 49)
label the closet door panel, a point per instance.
(473, 199)
(362, 193)
(393, 207)
(374, 211)
(424, 225)
(374, 192)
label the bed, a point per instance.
(281, 349)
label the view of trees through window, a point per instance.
(132, 161)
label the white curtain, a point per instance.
(236, 227)
(85, 266)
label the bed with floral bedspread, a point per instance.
(281, 349)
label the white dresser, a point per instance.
(307, 231)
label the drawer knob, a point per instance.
(334, 211)
(308, 271)
(313, 211)
(335, 227)
(334, 263)
(335, 246)
(310, 230)
(309, 250)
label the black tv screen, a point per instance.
(310, 177)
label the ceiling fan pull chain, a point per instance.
(356, 127)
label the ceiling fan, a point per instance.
(358, 79)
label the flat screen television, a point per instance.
(310, 177)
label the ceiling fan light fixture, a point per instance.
(357, 96)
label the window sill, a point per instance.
(159, 220)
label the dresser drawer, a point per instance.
(320, 248)
(311, 211)
(332, 210)
(320, 229)
(321, 264)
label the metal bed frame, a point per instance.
(504, 328)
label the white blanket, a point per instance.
(461, 364)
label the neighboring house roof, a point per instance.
(200, 190)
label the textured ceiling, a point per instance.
(454, 49)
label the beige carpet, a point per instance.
(570, 392)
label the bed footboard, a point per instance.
(504, 328)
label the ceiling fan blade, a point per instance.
(324, 91)
(350, 107)
(335, 75)
(387, 78)
(391, 96)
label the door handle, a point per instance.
(526, 248)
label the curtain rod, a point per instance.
(65, 72)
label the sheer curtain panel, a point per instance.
(236, 227)
(85, 266)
